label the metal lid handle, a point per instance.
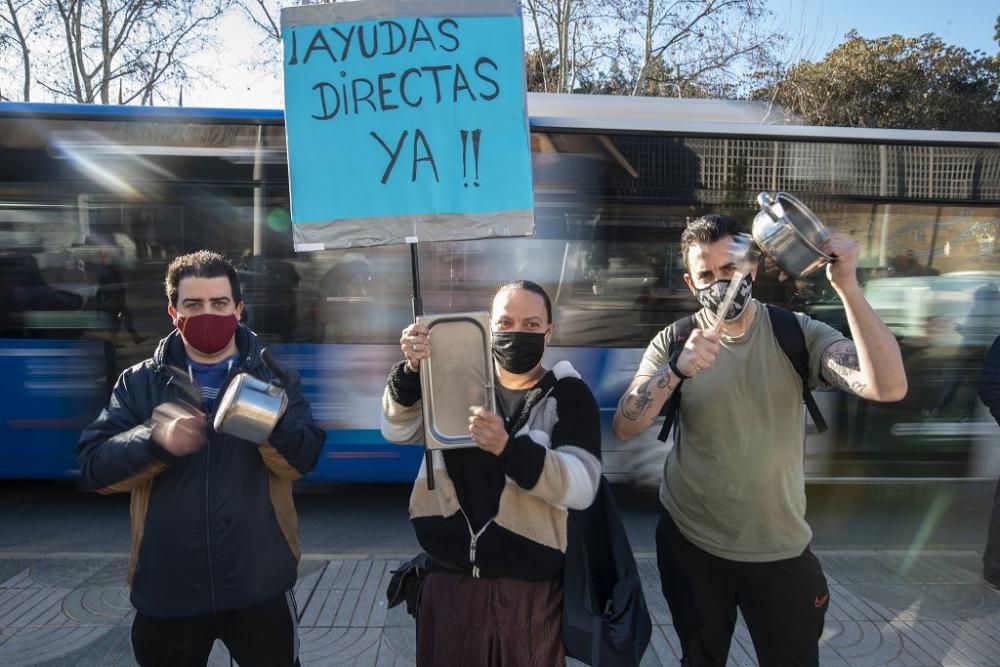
(766, 203)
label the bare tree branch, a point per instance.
(141, 44)
(21, 37)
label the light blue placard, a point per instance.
(407, 116)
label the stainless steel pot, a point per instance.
(790, 234)
(250, 408)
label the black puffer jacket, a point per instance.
(989, 389)
(215, 530)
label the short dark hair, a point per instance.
(708, 229)
(201, 264)
(529, 286)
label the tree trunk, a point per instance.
(22, 42)
(541, 46)
(105, 53)
(647, 49)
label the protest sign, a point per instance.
(406, 118)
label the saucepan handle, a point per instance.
(275, 367)
(766, 203)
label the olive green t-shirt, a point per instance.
(734, 483)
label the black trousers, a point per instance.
(265, 635)
(783, 602)
(991, 554)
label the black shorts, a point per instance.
(264, 635)
(783, 602)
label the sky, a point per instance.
(966, 23)
(814, 28)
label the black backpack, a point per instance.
(605, 618)
(791, 341)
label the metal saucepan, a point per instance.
(790, 234)
(250, 408)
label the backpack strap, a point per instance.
(677, 335)
(792, 341)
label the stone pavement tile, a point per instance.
(663, 648)
(931, 568)
(112, 649)
(970, 643)
(659, 612)
(305, 584)
(885, 610)
(18, 580)
(330, 574)
(380, 606)
(19, 607)
(33, 646)
(371, 604)
(886, 568)
(900, 568)
(915, 653)
(741, 653)
(219, 657)
(336, 646)
(113, 572)
(345, 574)
(649, 575)
(847, 606)
(362, 571)
(98, 606)
(959, 568)
(837, 566)
(863, 643)
(48, 611)
(397, 647)
(68, 573)
(937, 642)
(12, 568)
(902, 602)
(988, 641)
(349, 601)
(322, 608)
(967, 601)
(828, 657)
(398, 618)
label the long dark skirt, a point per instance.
(463, 621)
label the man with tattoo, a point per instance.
(733, 533)
(989, 392)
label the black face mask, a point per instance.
(518, 351)
(711, 297)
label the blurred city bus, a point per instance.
(96, 200)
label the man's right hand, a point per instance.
(179, 429)
(699, 352)
(416, 345)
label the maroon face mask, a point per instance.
(207, 333)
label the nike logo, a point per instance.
(820, 601)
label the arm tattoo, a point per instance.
(636, 402)
(842, 368)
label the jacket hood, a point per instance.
(170, 350)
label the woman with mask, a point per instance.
(495, 522)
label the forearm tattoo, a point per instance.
(637, 401)
(842, 368)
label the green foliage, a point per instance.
(894, 82)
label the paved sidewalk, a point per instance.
(886, 609)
